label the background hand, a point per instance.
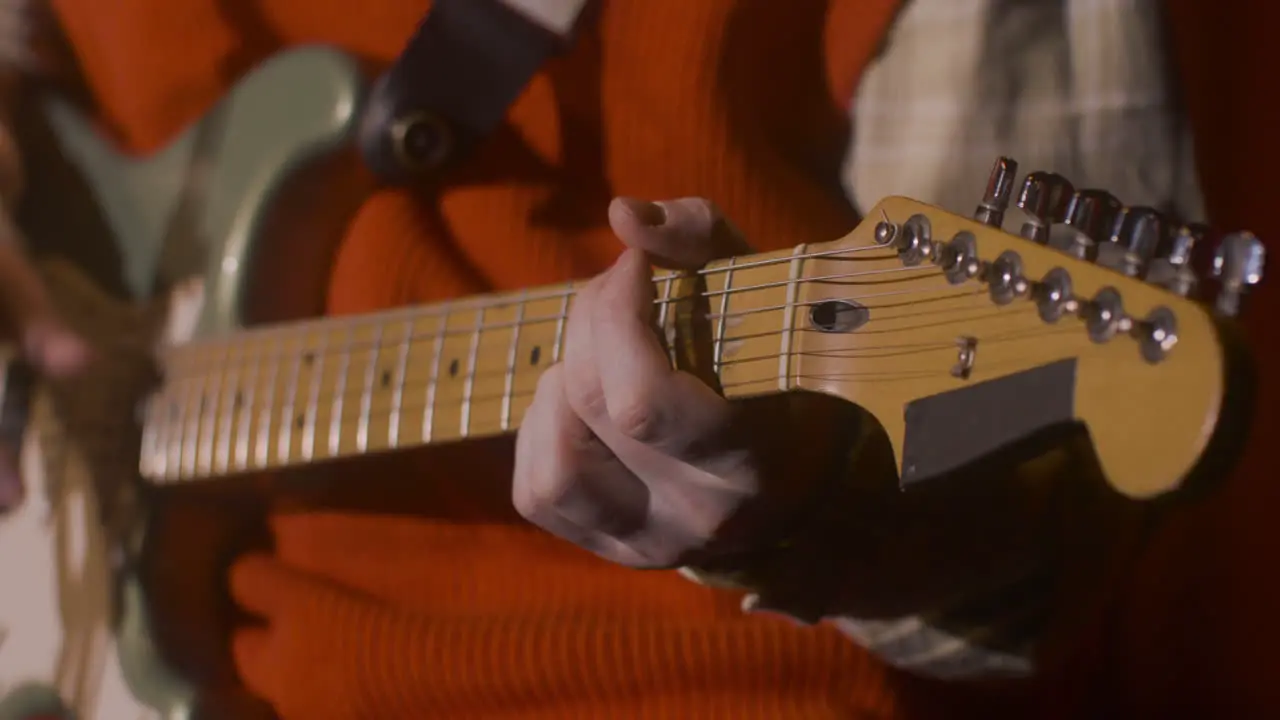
(40, 337)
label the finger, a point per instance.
(686, 233)
(46, 342)
(645, 399)
(566, 480)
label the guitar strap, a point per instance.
(464, 66)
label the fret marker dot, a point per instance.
(453, 368)
(300, 421)
(308, 357)
(386, 378)
(238, 400)
(535, 354)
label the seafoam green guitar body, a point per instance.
(74, 630)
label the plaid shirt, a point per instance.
(1080, 88)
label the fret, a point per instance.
(371, 374)
(751, 300)
(149, 463)
(488, 396)
(534, 351)
(193, 411)
(665, 326)
(794, 276)
(450, 381)
(397, 398)
(176, 418)
(314, 382)
(338, 401)
(245, 423)
(509, 381)
(433, 379)
(726, 277)
(302, 356)
(228, 406)
(209, 409)
(468, 384)
(262, 448)
(561, 318)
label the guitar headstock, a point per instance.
(963, 338)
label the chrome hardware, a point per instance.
(1171, 267)
(1136, 234)
(1238, 264)
(995, 200)
(1045, 198)
(1091, 214)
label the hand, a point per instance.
(42, 339)
(632, 460)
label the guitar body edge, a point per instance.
(210, 189)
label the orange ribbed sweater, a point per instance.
(439, 604)
(467, 613)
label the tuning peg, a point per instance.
(1045, 198)
(1091, 214)
(1238, 264)
(1135, 235)
(995, 200)
(1171, 267)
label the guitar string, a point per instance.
(287, 340)
(376, 411)
(567, 289)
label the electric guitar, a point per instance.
(959, 337)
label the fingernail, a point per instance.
(648, 213)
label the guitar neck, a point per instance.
(301, 393)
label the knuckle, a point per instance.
(640, 419)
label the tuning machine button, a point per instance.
(1054, 296)
(1135, 235)
(1171, 267)
(1238, 265)
(1091, 214)
(995, 200)
(1104, 315)
(1045, 198)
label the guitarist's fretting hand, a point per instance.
(636, 462)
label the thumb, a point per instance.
(685, 233)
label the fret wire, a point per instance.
(149, 464)
(397, 397)
(429, 407)
(717, 351)
(209, 413)
(245, 422)
(789, 317)
(509, 383)
(284, 442)
(340, 391)
(313, 398)
(175, 421)
(366, 397)
(226, 411)
(265, 415)
(468, 383)
(191, 427)
(560, 321)
(663, 314)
